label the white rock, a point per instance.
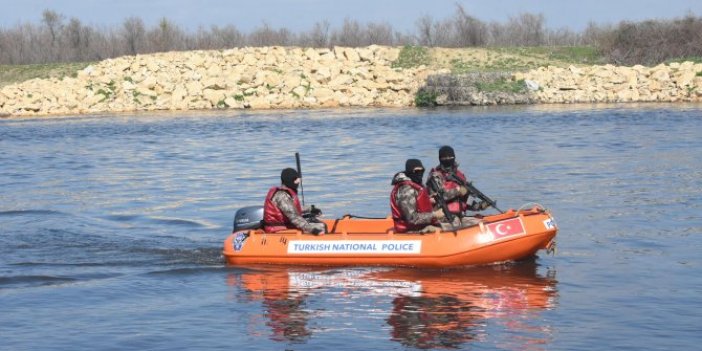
(531, 85)
(213, 96)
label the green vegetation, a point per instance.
(307, 87)
(10, 74)
(499, 64)
(222, 105)
(275, 69)
(412, 56)
(502, 85)
(695, 59)
(425, 98)
(699, 74)
(135, 96)
(105, 94)
(525, 58)
(568, 54)
(459, 66)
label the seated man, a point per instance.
(282, 209)
(450, 184)
(410, 203)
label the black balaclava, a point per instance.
(288, 176)
(410, 165)
(447, 157)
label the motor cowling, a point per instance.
(248, 218)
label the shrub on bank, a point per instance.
(58, 39)
(652, 42)
(425, 98)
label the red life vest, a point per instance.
(273, 218)
(458, 205)
(423, 206)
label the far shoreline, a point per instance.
(362, 112)
(292, 78)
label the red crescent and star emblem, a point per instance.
(506, 228)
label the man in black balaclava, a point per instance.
(410, 203)
(448, 177)
(282, 209)
(290, 178)
(447, 158)
(414, 170)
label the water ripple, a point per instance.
(124, 216)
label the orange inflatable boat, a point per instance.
(509, 236)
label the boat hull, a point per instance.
(511, 236)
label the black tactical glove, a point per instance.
(315, 211)
(311, 213)
(479, 206)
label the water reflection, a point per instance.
(284, 307)
(455, 307)
(427, 308)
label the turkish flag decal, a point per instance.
(506, 228)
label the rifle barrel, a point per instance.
(474, 191)
(299, 172)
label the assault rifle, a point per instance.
(439, 197)
(474, 191)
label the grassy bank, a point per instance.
(513, 59)
(467, 60)
(10, 74)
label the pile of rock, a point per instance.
(282, 78)
(258, 78)
(608, 83)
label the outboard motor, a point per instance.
(248, 218)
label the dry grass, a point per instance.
(10, 74)
(466, 60)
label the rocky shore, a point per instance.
(675, 82)
(282, 78)
(663, 83)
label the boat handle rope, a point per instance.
(348, 215)
(361, 217)
(532, 205)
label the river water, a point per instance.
(111, 230)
